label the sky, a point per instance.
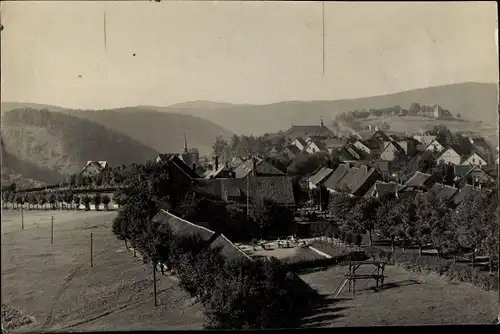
(253, 52)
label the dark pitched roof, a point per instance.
(464, 192)
(301, 141)
(176, 161)
(164, 157)
(263, 168)
(277, 189)
(381, 188)
(308, 130)
(363, 179)
(382, 135)
(183, 227)
(461, 170)
(346, 181)
(373, 143)
(320, 176)
(443, 191)
(220, 187)
(292, 148)
(214, 173)
(334, 178)
(334, 143)
(418, 179)
(381, 165)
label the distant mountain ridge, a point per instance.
(473, 101)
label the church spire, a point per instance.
(185, 143)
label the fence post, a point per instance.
(22, 219)
(91, 249)
(154, 283)
(51, 229)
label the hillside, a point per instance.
(474, 101)
(43, 145)
(161, 131)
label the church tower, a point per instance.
(185, 143)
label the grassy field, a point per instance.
(56, 287)
(407, 299)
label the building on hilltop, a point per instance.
(94, 167)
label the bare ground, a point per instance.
(55, 285)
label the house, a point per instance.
(182, 227)
(332, 182)
(390, 152)
(178, 167)
(315, 146)
(224, 171)
(363, 180)
(256, 166)
(424, 139)
(300, 143)
(443, 192)
(94, 167)
(451, 155)
(291, 151)
(334, 144)
(435, 146)
(474, 159)
(301, 131)
(419, 180)
(236, 161)
(380, 189)
(362, 146)
(344, 185)
(382, 136)
(474, 176)
(319, 177)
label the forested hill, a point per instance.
(55, 142)
(161, 131)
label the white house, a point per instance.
(360, 146)
(449, 155)
(389, 151)
(299, 143)
(315, 146)
(435, 146)
(475, 160)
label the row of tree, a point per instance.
(414, 110)
(422, 219)
(54, 200)
(235, 293)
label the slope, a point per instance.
(474, 101)
(162, 131)
(63, 144)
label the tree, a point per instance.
(340, 206)
(219, 146)
(386, 223)
(490, 244)
(105, 201)
(470, 219)
(76, 200)
(97, 199)
(444, 173)
(86, 201)
(364, 214)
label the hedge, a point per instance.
(441, 267)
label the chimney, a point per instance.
(216, 162)
(254, 166)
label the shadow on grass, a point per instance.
(324, 310)
(392, 285)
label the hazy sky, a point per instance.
(254, 52)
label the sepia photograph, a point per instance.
(243, 165)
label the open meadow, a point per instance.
(55, 286)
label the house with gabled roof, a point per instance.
(363, 180)
(300, 143)
(419, 180)
(332, 182)
(334, 144)
(212, 239)
(310, 130)
(474, 175)
(94, 167)
(443, 191)
(424, 139)
(345, 183)
(316, 146)
(435, 146)
(450, 154)
(474, 159)
(390, 151)
(318, 178)
(380, 189)
(256, 166)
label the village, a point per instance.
(315, 201)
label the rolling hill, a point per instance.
(44, 145)
(473, 101)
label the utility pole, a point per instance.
(51, 229)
